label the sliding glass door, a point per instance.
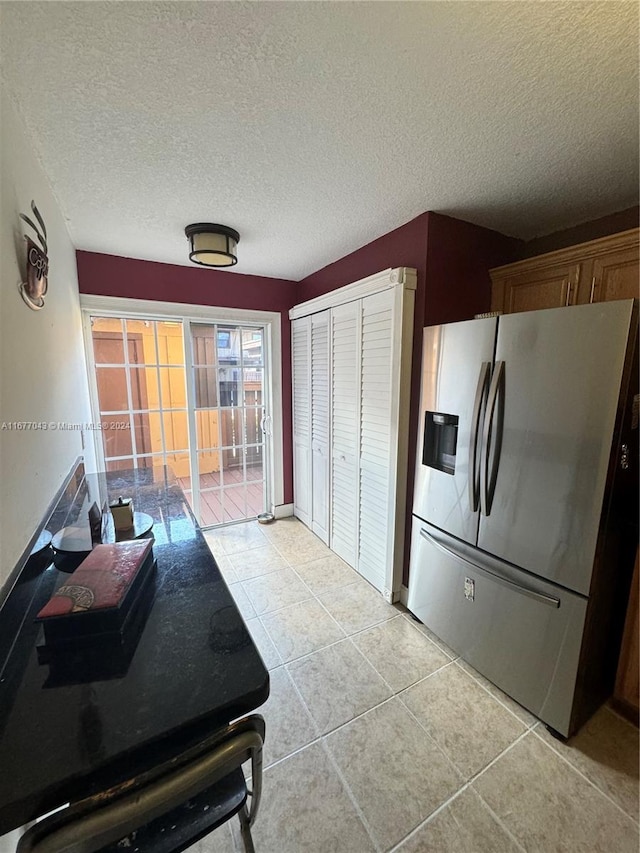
(191, 396)
(228, 381)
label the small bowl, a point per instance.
(266, 518)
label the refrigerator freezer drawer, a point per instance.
(521, 633)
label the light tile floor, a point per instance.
(380, 739)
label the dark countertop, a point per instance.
(193, 669)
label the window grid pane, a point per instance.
(145, 391)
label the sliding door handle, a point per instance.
(265, 423)
(474, 478)
(492, 437)
(550, 600)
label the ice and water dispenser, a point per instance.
(440, 441)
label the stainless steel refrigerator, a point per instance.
(525, 502)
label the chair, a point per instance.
(168, 811)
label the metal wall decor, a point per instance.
(34, 289)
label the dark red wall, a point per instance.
(404, 247)
(111, 275)
(453, 259)
(459, 257)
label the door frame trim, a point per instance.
(150, 309)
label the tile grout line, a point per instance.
(500, 823)
(423, 679)
(275, 648)
(417, 680)
(406, 615)
(274, 545)
(474, 778)
(448, 802)
(306, 654)
(296, 751)
(291, 568)
(358, 717)
(446, 650)
(334, 642)
(262, 575)
(360, 630)
(497, 758)
(320, 648)
(586, 778)
(220, 539)
(497, 698)
(277, 609)
(351, 719)
(423, 727)
(326, 610)
(466, 784)
(379, 674)
(442, 750)
(428, 819)
(351, 796)
(332, 589)
(314, 724)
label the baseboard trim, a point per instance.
(404, 594)
(283, 511)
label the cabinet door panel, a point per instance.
(547, 288)
(615, 276)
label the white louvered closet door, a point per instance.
(301, 358)
(320, 375)
(378, 428)
(345, 411)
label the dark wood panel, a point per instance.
(626, 695)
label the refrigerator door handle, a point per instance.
(523, 590)
(488, 478)
(481, 390)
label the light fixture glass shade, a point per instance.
(212, 245)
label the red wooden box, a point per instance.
(99, 596)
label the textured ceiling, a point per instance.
(313, 128)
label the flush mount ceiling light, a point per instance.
(212, 245)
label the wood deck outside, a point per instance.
(236, 493)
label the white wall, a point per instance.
(42, 371)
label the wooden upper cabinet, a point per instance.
(601, 270)
(615, 276)
(547, 287)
